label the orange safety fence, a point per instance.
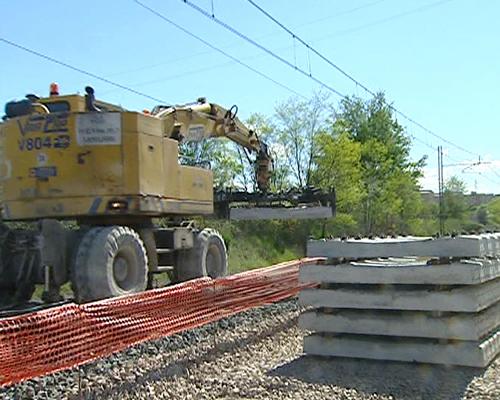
(63, 337)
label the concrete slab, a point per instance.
(464, 353)
(459, 326)
(471, 298)
(461, 246)
(410, 271)
(261, 213)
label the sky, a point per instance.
(437, 61)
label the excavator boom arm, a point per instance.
(202, 120)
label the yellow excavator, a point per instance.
(113, 172)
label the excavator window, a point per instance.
(58, 106)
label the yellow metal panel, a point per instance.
(171, 168)
(46, 160)
(130, 151)
(151, 173)
(136, 122)
(197, 183)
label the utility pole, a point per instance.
(441, 190)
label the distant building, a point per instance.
(429, 196)
(474, 199)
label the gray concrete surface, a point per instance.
(460, 246)
(457, 326)
(464, 353)
(261, 213)
(472, 298)
(467, 272)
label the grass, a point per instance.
(253, 244)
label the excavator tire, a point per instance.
(110, 261)
(13, 290)
(208, 257)
(12, 294)
(7, 295)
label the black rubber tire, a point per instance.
(110, 261)
(7, 296)
(12, 292)
(208, 257)
(14, 295)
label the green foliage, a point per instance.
(219, 155)
(298, 124)
(482, 215)
(266, 130)
(387, 192)
(455, 205)
(493, 208)
(338, 166)
(253, 244)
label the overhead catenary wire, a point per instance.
(193, 35)
(80, 70)
(263, 48)
(347, 75)
(469, 163)
(253, 69)
(345, 12)
(179, 59)
(386, 19)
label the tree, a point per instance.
(338, 166)
(298, 124)
(454, 202)
(216, 154)
(266, 131)
(482, 215)
(390, 178)
(494, 212)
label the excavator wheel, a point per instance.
(110, 261)
(208, 257)
(15, 288)
(14, 294)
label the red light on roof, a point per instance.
(54, 89)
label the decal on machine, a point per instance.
(44, 142)
(97, 129)
(43, 172)
(41, 159)
(50, 123)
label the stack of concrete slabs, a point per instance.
(404, 308)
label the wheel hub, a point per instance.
(213, 261)
(120, 269)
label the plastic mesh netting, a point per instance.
(63, 337)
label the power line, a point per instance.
(176, 76)
(263, 48)
(335, 66)
(81, 71)
(251, 68)
(461, 163)
(186, 31)
(294, 36)
(350, 11)
(384, 20)
(179, 59)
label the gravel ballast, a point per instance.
(256, 354)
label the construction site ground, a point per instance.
(256, 354)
